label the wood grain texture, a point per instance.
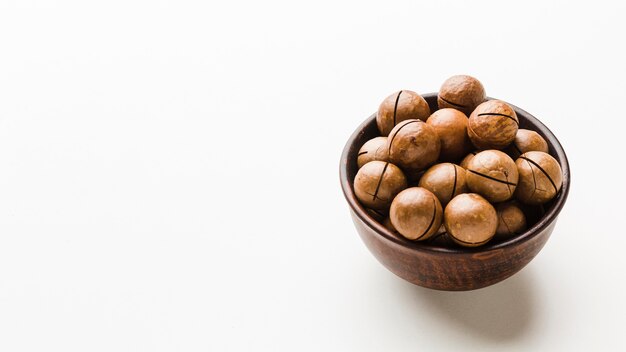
(451, 269)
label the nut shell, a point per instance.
(413, 145)
(461, 92)
(377, 182)
(511, 220)
(451, 127)
(493, 175)
(400, 106)
(527, 141)
(465, 162)
(416, 213)
(374, 149)
(492, 125)
(470, 220)
(540, 178)
(445, 181)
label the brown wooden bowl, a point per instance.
(451, 269)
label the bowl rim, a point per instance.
(530, 233)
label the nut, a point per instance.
(527, 141)
(451, 127)
(465, 162)
(511, 220)
(461, 92)
(492, 174)
(416, 213)
(492, 125)
(377, 182)
(445, 180)
(374, 149)
(470, 220)
(400, 106)
(540, 178)
(413, 145)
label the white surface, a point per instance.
(170, 174)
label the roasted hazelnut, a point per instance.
(540, 177)
(451, 127)
(511, 220)
(527, 141)
(465, 162)
(492, 125)
(461, 92)
(400, 106)
(374, 149)
(413, 145)
(445, 180)
(377, 182)
(493, 175)
(470, 220)
(416, 213)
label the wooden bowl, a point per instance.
(451, 269)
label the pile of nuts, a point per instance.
(446, 176)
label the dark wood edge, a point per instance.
(555, 148)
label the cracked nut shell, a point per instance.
(470, 220)
(492, 125)
(400, 106)
(413, 145)
(377, 182)
(493, 175)
(451, 127)
(540, 178)
(374, 149)
(511, 220)
(461, 92)
(416, 213)
(445, 181)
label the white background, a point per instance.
(169, 174)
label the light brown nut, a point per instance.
(540, 178)
(461, 92)
(492, 125)
(374, 149)
(413, 145)
(511, 220)
(451, 127)
(492, 174)
(527, 141)
(400, 106)
(416, 213)
(465, 162)
(445, 180)
(377, 183)
(470, 220)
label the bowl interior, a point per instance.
(538, 217)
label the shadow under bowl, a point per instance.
(451, 269)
